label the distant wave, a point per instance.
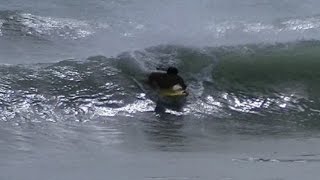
(301, 24)
(17, 24)
(13, 23)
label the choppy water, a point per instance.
(72, 105)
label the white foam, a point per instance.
(137, 106)
(295, 25)
(62, 27)
(1, 23)
(302, 24)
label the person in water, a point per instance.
(168, 80)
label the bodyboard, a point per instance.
(172, 93)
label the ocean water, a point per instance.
(73, 103)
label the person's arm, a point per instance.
(183, 85)
(152, 81)
(181, 82)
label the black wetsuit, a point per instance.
(165, 81)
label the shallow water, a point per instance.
(163, 148)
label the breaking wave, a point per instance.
(278, 82)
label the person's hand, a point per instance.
(187, 94)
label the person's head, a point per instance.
(172, 71)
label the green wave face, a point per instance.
(265, 67)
